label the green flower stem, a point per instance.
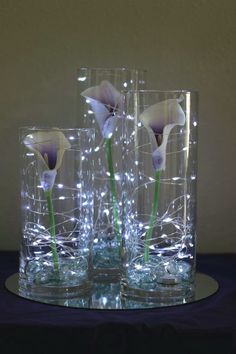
(153, 216)
(108, 145)
(52, 229)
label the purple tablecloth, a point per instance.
(204, 327)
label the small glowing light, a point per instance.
(175, 178)
(82, 158)
(104, 300)
(90, 112)
(193, 177)
(140, 225)
(62, 197)
(108, 174)
(195, 124)
(103, 194)
(71, 138)
(167, 219)
(136, 163)
(139, 124)
(106, 211)
(72, 219)
(29, 154)
(125, 84)
(78, 185)
(185, 148)
(60, 185)
(87, 100)
(97, 148)
(151, 179)
(81, 78)
(138, 266)
(95, 240)
(39, 186)
(27, 207)
(117, 177)
(188, 196)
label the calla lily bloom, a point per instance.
(49, 146)
(107, 103)
(159, 119)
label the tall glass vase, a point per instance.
(160, 158)
(100, 104)
(57, 212)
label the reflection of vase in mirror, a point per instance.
(106, 296)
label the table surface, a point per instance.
(207, 326)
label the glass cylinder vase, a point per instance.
(100, 104)
(57, 211)
(160, 163)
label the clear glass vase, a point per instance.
(57, 211)
(100, 104)
(160, 163)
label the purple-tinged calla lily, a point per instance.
(107, 104)
(49, 146)
(159, 119)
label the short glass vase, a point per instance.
(57, 211)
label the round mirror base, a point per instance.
(107, 296)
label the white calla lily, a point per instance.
(107, 104)
(159, 119)
(49, 146)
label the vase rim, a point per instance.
(29, 127)
(179, 91)
(124, 68)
